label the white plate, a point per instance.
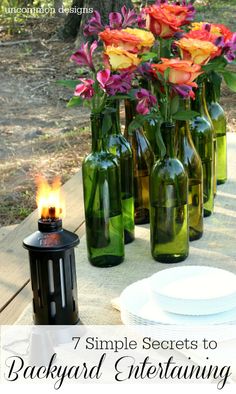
(138, 308)
(194, 290)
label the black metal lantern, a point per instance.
(53, 274)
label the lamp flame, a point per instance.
(50, 202)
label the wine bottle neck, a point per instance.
(115, 118)
(130, 113)
(167, 132)
(210, 93)
(200, 104)
(182, 126)
(98, 140)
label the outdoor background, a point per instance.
(38, 134)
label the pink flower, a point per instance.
(85, 89)
(145, 101)
(229, 49)
(115, 20)
(103, 77)
(84, 56)
(116, 83)
(94, 25)
(185, 91)
(129, 17)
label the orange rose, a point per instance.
(120, 38)
(119, 59)
(179, 11)
(201, 26)
(215, 28)
(165, 20)
(224, 31)
(146, 37)
(204, 35)
(200, 52)
(181, 72)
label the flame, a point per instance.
(50, 202)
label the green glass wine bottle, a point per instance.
(202, 135)
(191, 161)
(208, 117)
(169, 205)
(120, 147)
(150, 133)
(102, 202)
(218, 118)
(143, 159)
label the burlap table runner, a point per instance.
(98, 286)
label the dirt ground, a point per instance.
(38, 134)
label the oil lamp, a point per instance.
(52, 261)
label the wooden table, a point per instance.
(217, 247)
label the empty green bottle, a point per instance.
(218, 118)
(203, 139)
(169, 205)
(120, 147)
(143, 159)
(102, 202)
(191, 161)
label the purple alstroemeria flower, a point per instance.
(220, 42)
(145, 101)
(229, 49)
(115, 20)
(94, 25)
(129, 17)
(114, 83)
(141, 20)
(84, 56)
(207, 27)
(191, 13)
(185, 91)
(103, 77)
(85, 89)
(145, 70)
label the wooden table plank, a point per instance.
(18, 304)
(14, 266)
(21, 300)
(6, 230)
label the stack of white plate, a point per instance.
(178, 298)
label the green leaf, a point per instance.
(134, 125)
(68, 83)
(166, 74)
(174, 104)
(216, 80)
(217, 64)
(119, 97)
(148, 56)
(160, 77)
(230, 79)
(185, 115)
(75, 101)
